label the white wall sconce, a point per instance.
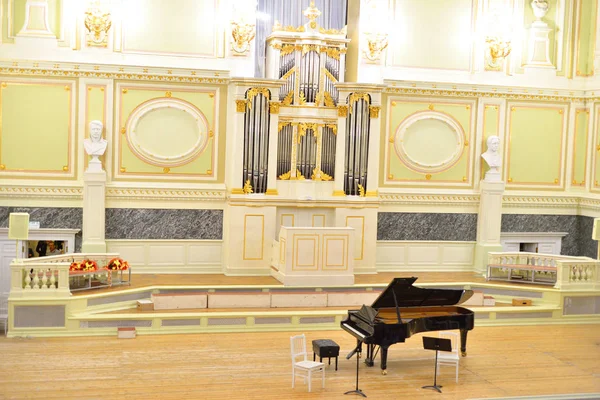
(496, 52)
(97, 24)
(375, 28)
(242, 33)
(376, 44)
(498, 36)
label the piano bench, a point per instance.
(326, 348)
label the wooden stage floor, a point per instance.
(502, 362)
(383, 278)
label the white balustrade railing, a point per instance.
(49, 276)
(571, 272)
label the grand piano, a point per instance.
(403, 310)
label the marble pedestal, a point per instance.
(488, 223)
(94, 206)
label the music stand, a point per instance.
(356, 351)
(437, 344)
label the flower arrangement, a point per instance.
(85, 265)
(117, 264)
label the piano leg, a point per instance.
(463, 342)
(369, 358)
(384, 350)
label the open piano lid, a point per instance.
(408, 295)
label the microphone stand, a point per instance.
(357, 351)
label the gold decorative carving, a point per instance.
(342, 111)
(286, 176)
(4, 84)
(556, 180)
(430, 107)
(324, 31)
(123, 130)
(255, 91)
(278, 27)
(247, 189)
(354, 97)
(2, 166)
(274, 107)
(302, 98)
(312, 13)
(361, 190)
(166, 170)
(168, 94)
(286, 49)
(288, 74)
(211, 133)
(310, 47)
(509, 180)
(334, 52)
(124, 91)
(287, 100)
(391, 139)
(330, 75)
(328, 99)
(240, 105)
(318, 175)
(333, 128)
(428, 176)
(209, 172)
(299, 176)
(123, 169)
(281, 124)
(98, 23)
(374, 111)
(242, 34)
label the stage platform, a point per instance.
(193, 303)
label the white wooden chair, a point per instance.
(303, 367)
(449, 358)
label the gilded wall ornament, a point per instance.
(342, 111)
(242, 34)
(98, 23)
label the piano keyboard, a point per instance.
(358, 333)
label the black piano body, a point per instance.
(403, 310)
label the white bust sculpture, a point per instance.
(493, 159)
(95, 146)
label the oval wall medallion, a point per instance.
(429, 141)
(167, 132)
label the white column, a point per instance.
(94, 211)
(488, 223)
(340, 146)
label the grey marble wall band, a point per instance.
(578, 242)
(50, 217)
(145, 223)
(426, 226)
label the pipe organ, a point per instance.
(256, 139)
(298, 144)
